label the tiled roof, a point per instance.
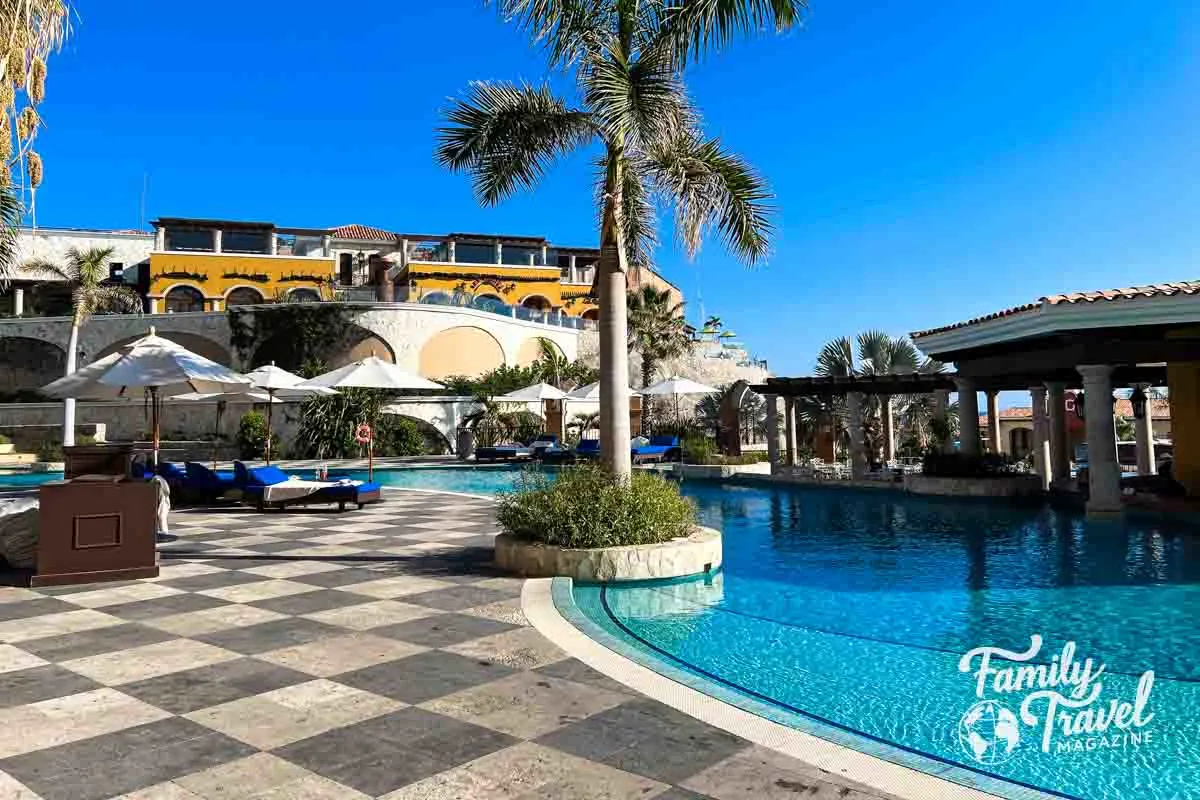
(364, 233)
(1159, 409)
(1129, 293)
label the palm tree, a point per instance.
(10, 218)
(86, 272)
(628, 60)
(657, 329)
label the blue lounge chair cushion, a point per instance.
(265, 476)
(588, 446)
(664, 441)
(201, 477)
(651, 450)
(171, 471)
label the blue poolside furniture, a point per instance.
(588, 448)
(255, 480)
(506, 451)
(202, 483)
(661, 448)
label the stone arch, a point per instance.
(436, 441)
(531, 350)
(489, 302)
(592, 313)
(536, 302)
(199, 345)
(352, 342)
(27, 364)
(370, 344)
(183, 298)
(303, 294)
(462, 350)
(437, 299)
(244, 296)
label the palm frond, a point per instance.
(116, 300)
(89, 267)
(692, 28)
(44, 269)
(10, 219)
(836, 359)
(639, 222)
(568, 29)
(640, 102)
(506, 136)
(711, 186)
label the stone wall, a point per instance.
(694, 365)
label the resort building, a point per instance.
(1015, 425)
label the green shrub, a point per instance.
(961, 465)
(50, 451)
(4, 439)
(587, 507)
(699, 449)
(252, 436)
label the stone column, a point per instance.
(789, 421)
(545, 256)
(18, 301)
(1041, 435)
(217, 235)
(153, 305)
(450, 252)
(1143, 432)
(993, 423)
(326, 246)
(499, 252)
(858, 447)
(572, 275)
(1060, 456)
(941, 402)
(160, 238)
(889, 430)
(533, 259)
(773, 431)
(968, 417)
(1104, 474)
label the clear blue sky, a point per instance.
(932, 161)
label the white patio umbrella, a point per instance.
(278, 382)
(154, 364)
(371, 372)
(591, 392)
(537, 392)
(678, 387)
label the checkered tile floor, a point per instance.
(311, 655)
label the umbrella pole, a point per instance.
(270, 403)
(154, 422)
(217, 432)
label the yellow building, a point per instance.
(209, 265)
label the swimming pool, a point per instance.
(846, 614)
(13, 479)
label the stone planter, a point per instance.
(721, 471)
(5, 449)
(47, 466)
(697, 554)
(1008, 486)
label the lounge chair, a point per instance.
(506, 451)
(661, 448)
(588, 448)
(543, 442)
(199, 482)
(257, 479)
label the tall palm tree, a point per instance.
(657, 329)
(10, 218)
(86, 271)
(628, 59)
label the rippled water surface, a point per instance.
(848, 612)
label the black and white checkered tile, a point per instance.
(309, 655)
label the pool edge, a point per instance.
(540, 601)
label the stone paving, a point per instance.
(311, 655)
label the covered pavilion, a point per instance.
(1132, 338)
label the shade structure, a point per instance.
(679, 386)
(152, 364)
(371, 372)
(591, 392)
(278, 382)
(537, 392)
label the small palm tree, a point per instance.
(86, 272)
(657, 329)
(10, 218)
(628, 60)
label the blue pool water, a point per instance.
(20, 479)
(846, 614)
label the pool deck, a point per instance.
(309, 655)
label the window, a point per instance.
(183, 299)
(474, 253)
(346, 269)
(519, 256)
(246, 242)
(243, 296)
(564, 267)
(189, 239)
(116, 272)
(304, 296)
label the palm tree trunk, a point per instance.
(614, 333)
(648, 366)
(68, 434)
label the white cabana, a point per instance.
(152, 364)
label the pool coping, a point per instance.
(550, 608)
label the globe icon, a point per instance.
(989, 732)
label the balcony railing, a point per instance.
(494, 306)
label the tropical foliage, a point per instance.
(582, 424)
(252, 436)
(628, 60)
(552, 367)
(327, 426)
(657, 329)
(588, 506)
(32, 29)
(10, 218)
(86, 272)
(498, 422)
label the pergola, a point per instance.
(1133, 338)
